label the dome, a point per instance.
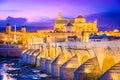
(69, 24)
(7, 24)
(103, 35)
(116, 30)
(80, 16)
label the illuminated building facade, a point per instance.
(79, 24)
(63, 29)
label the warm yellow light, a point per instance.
(5, 38)
(87, 70)
(59, 62)
(115, 77)
(107, 63)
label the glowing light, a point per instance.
(87, 70)
(115, 77)
(5, 38)
(108, 63)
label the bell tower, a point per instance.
(23, 29)
(95, 28)
(59, 16)
(95, 21)
(8, 28)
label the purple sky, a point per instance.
(39, 10)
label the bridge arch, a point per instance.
(108, 62)
(84, 59)
(83, 56)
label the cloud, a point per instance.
(9, 11)
(13, 21)
(31, 26)
(42, 23)
(106, 20)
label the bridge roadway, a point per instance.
(76, 60)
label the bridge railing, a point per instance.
(80, 44)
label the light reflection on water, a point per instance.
(9, 70)
(5, 76)
(3, 70)
(12, 70)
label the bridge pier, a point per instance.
(32, 57)
(25, 55)
(35, 58)
(48, 65)
(112, 74)
(42, 63)
(40, 55)
(67, 69)
(58, 62)
(38, 58)
(43, 58)
(88, 71)
(53, 55)
(55, 67)
(28, 56)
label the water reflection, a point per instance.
(3, 71)
(10, 69)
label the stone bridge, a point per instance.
(76, 60)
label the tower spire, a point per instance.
(95, 21)
(59, 16)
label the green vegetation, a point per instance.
(5, 42)
(17, 42)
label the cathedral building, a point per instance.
(77, 25)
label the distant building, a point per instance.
(102, 38)
(8, 28)
(9, 35)
(98, 38)
(23, 29)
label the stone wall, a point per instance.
(10, 52)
